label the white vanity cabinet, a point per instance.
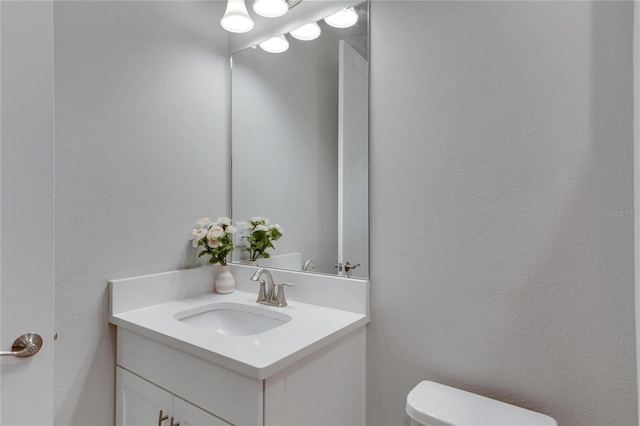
(308, 370)
(143, 403)
(190, 415)
(326, 387)
(230, 396)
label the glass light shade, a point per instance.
(342, 19)
(307, 32)
(277, 44)
(270, 8)
(236, 19)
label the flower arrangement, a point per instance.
(214, 238)
(261, 237)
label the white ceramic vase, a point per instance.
(225, 283)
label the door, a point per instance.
(26, 209)
(353, 162)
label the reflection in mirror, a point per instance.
(300, 148)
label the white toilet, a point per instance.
(433, 404)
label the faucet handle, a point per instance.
(348, 266)
(281, 302)
(262, 295)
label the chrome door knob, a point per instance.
(25, 346)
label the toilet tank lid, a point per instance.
(434, 404)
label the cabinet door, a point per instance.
(141, 403)
(190, 415)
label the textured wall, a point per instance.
(501, 134)
(141, 152)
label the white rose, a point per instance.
(215, 231)
(196, 235)
(230, 229)
(212, 242)
(259, 220)
(261, 228)
(277, 227)
(224, 221)
(203, 223)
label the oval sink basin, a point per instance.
(233, 319)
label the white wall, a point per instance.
(141, 147)
(501, 133)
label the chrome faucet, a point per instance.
(265, 297)
(309, 264)
(271, 297)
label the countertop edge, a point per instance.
(258, 373)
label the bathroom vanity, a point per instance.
(306, 365)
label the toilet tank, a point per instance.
(434, 404)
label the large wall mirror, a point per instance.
(300, 148)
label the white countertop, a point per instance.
(258, 356)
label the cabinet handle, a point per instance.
(161, 418)
(174, 424)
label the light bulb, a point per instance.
(342, 19)
(277, 44)
(270, 8)
(307, 32)
(236, 19)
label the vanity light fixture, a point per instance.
(276, 44)
(236, 19)
(307, 32)
(270, 8)
(343, 19)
